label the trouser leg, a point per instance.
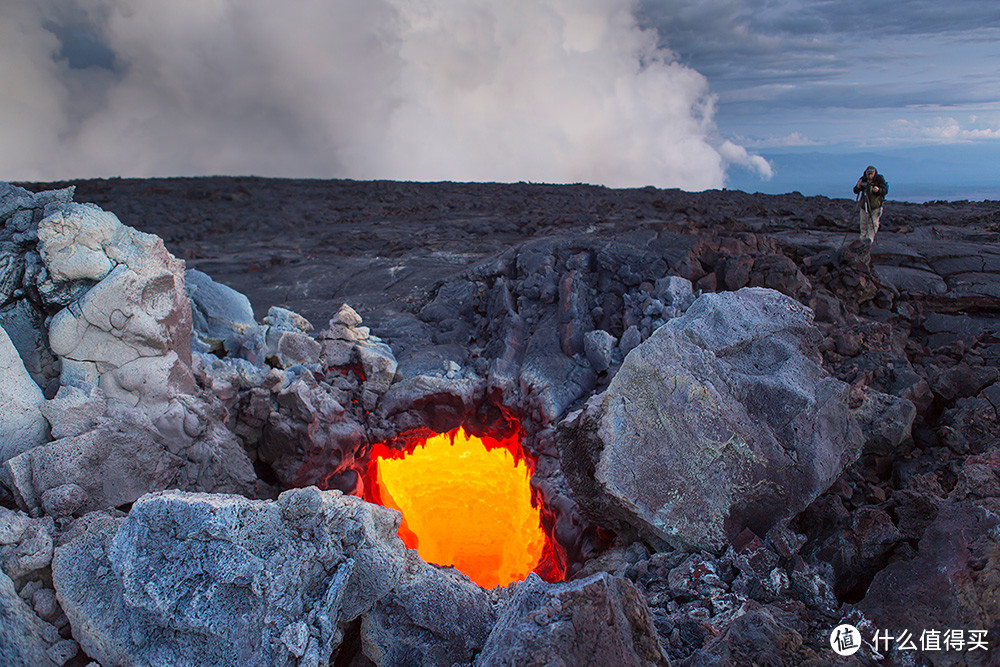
(865, 224)
(876, 217)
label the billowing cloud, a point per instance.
(943, 129)
(739, 155)
(540, 90)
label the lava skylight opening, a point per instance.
(465, 501)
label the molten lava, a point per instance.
(465, 502)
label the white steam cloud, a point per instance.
(508, 90)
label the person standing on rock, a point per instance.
(871, 190)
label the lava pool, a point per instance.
(466, 502)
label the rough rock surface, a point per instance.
(435, 616)
(511, 305)
(22, 311)
(125, 410)
(722, 420)
(953, 580)
(600, 620)
(222, 580)
(125, 457)
(22, 425)
(22, 641)
(218, 311)
(131, 332)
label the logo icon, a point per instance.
(845, 639)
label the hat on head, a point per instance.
(871, 169)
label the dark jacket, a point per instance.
(875, 199)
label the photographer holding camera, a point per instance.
(871, 190)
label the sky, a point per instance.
(823, 88)
(758, 95)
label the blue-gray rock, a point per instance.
(674, 291)
(600, 620)
(201, 579)
(436, 616)
(22, 425)
(286, 320)
(599, 347)
(722, 420)
(630, 339)
(26, 327)
(25, 545)
(22, 642)
(217, 311)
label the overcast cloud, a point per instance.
(823, 72)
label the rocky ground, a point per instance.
(727, 473)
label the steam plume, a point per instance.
(509, 90)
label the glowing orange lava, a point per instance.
(465, 502)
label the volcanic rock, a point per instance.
(762, 636)
(513, 305)
(128, 409)
(721, 420)
(74, 410)
(598, 347)
(130, 333)
(435, 616)
(22, 425)
(346, 342)
(952, 582)
(599, 620)
(126, 456)
(25, 544)
(426, 401)
(218, 311)
(885, 420)
(222, 580)
(23, 641)
(778, 272)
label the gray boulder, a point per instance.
(674, 291)
(25, 544)
(31, 554)
(436, 616)
(22, 425)
(126, 456)
(202, 579)
(598, 347)
(600, 620)
(722, 420)
(218, 311)
(24, 637)
(284, 319)
(885, 420)
(132, 329)
(74, 410)
(26, 327)
(74, 242)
